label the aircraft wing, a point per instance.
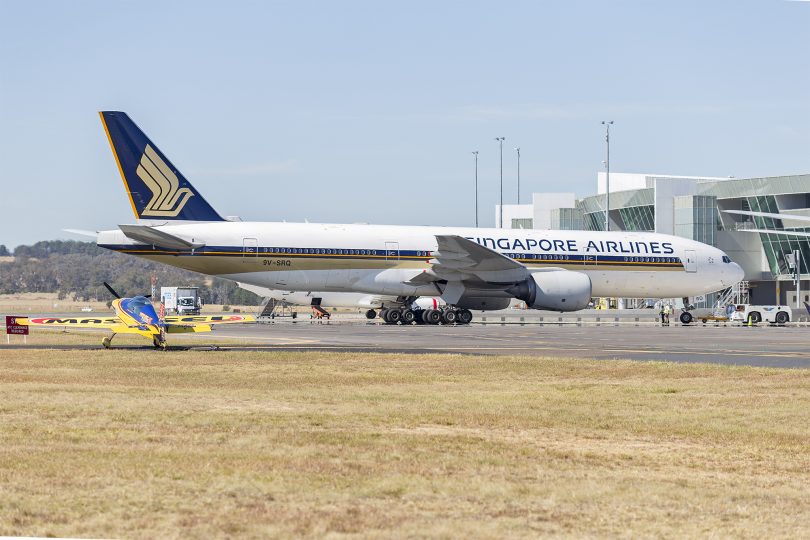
(186, 320)
(111, 323)
(460, 259)
(156, 237)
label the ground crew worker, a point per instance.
(667, 313)
(661, 313)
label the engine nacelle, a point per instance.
(555, 290)
(482, 303)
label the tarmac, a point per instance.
(765, 346)
(607, 338)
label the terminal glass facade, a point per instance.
(778, 246)
(696, 218)
(525, 223)
(567, 219)
(595, 221)
(629, 210)
(638, 218)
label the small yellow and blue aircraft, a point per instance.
(137, 315)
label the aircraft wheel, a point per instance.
(106, 342)
(371, 314)
(686, 317)
(384, 315)
(418, 316)
(432, 316)
(449, 316)
(408, 316)
(465, 316)
(394, 316)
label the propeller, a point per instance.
(112, 291)
(115, 294)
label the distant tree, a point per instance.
(79, 269)
(4, 251)
(46, 248)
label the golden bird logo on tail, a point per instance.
(167, 200)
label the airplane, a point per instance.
(469, 268)
(374, 302)
(136, 315)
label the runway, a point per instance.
(763, 346)
(737, 345)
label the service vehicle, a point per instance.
(703, 315)
(749, 313)
(181, 300)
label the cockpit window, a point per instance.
(726, 259)
(141, 309)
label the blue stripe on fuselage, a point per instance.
(378, 254)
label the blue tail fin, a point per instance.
(157, 190)
(807, 307)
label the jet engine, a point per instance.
(482, 303)
(555, 290)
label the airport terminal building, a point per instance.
(694, 207)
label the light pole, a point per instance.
(607, 125)
(475, 153)
(517, 149)
(797, 261)
(500, 214)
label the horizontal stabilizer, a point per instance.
(82, 232)
(156, 237)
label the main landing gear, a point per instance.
(444, 315)
(107, 341)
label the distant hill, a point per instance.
(78, 269)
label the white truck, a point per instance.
(754, 314)
(181, 300)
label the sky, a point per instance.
(351, 112)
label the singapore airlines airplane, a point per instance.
(469, 268)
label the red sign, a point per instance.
(12, 327)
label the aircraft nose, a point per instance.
(738, 272)
(733, 274)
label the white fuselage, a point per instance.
(382, 259)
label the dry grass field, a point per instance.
(142, 444)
